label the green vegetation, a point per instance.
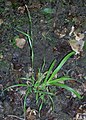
(41, 85)
(47, 11)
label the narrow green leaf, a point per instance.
(52, 102)
(17, 85)
(59, 79)
(30, 21)
(22, 32)
(40, 107)
(27, 92)
(42, 97)
(49, 71)
(43, 65)
(45, 93)
(37, 84)
(37, 97)
(30, 40)
(60, 65)
(68, 88)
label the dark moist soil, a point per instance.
(15, 62)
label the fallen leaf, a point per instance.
(76, 46)
(30, 114)
(20, 42)
(54, 49)
(79, 36)
(1, 21)
(34, 6)
(61, 33)
(21, 9)
(81, 113)
(1, 56)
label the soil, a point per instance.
(48, 44)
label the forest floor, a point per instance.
(50, 32)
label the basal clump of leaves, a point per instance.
(41, 84)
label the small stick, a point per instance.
(16, 117)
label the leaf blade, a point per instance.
(69, 89)
(60, 65)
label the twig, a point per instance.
(16, 117)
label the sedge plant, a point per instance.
(41, 84)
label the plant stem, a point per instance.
(30, 34)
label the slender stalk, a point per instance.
(14, 116)
(30, 34)
(30, 21)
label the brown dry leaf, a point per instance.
(1, 21)
(63, 33)
(81, 115)
(35, 6)
(20, 42)
(1, 56)
(54, 49)
(77, 43)
(76, 46)
(30, 114)
(79, 36)
(57, 32)
(21, 9)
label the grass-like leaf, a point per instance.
(27, 93)
(52, 102)
(40, 106)
(17, 85)
(59, 80)
(60, 65)
(30, 40)
(68, 88)
(40, 86)
(49, 71)
(27, 35)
